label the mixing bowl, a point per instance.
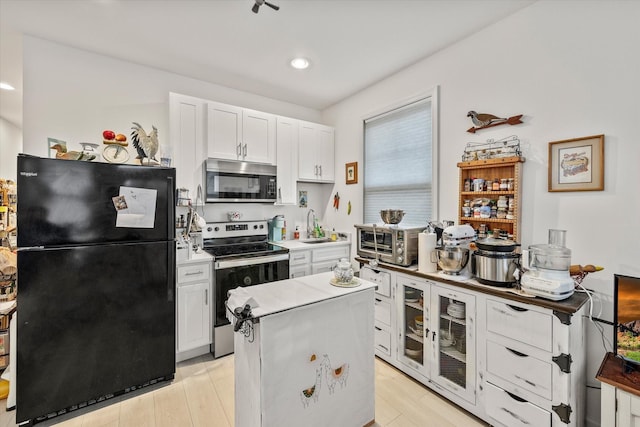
(452, 259)
(391, 216)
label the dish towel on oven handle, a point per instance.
(238, 299)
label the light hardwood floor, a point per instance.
(202, 395)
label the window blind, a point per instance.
(398, 150)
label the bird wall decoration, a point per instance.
(484, 120)
(62, 153)
(146, 145)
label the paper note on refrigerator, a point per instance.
(136, 207)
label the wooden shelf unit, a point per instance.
(491, 169)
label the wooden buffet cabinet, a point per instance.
(492, 169)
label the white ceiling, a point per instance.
(351, 44)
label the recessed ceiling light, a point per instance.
(6, 86)
(300, 63)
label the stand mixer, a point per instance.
(547, 269)
(453, 256)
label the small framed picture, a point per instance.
(577, 164)
(351, 173)
(302, 199)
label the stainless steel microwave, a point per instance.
(234, 181)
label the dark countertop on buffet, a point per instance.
(570, 305)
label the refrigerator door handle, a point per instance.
(171, 193)
(171, 278)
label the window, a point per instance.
(399, 162)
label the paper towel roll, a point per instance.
(426, 253)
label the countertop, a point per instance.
(570, 305)
(275, 297)
(612, 372)
(196, 257)
(294, 245)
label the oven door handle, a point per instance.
(241, 262)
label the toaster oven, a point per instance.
(393, 244)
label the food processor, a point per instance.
(453, 255)
(547, 268)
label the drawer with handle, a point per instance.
(193, 272)
(381, 278)
(382, 340)
(299, 257)
(513, 411)
(383, 311)
(516, 322)
(524, 371)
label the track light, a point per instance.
(259, 3)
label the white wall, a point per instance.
(572, 69)
(10, 146)
(74, 95)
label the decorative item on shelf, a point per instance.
(114, 151)
(505, 147)
(579, 272)
(351, 173)
(577, 164)
(484, 120)
(146, 145)
(62, 153)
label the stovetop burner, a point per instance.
(225, 240)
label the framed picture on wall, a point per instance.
(577, 164)
(351, 173)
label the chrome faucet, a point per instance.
(311, 227)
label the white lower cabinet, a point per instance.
(303, 262)
(384, 311)
(628, 413)
(436, 334)
(194, 309)
(535, 356)
(299, 263)
(506, 361)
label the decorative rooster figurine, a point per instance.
(62, 153)
(146, 145)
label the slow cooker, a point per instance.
(495, 262)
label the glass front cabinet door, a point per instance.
(453, 343)
(412, 295)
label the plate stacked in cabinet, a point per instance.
(483, 195)
(382, 324)
(530, 377)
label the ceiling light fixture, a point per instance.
(300, 63)
(6, 86)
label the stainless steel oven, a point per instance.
(393, 244)
(242, 257)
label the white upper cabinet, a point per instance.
(187, 130)
(287, 159)
(236, 133)
(316, 150)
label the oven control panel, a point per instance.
(215, 230)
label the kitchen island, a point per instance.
(305, 354)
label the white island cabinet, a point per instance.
(305, 356)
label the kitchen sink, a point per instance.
(318, 240)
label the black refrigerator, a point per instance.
(96, 279)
